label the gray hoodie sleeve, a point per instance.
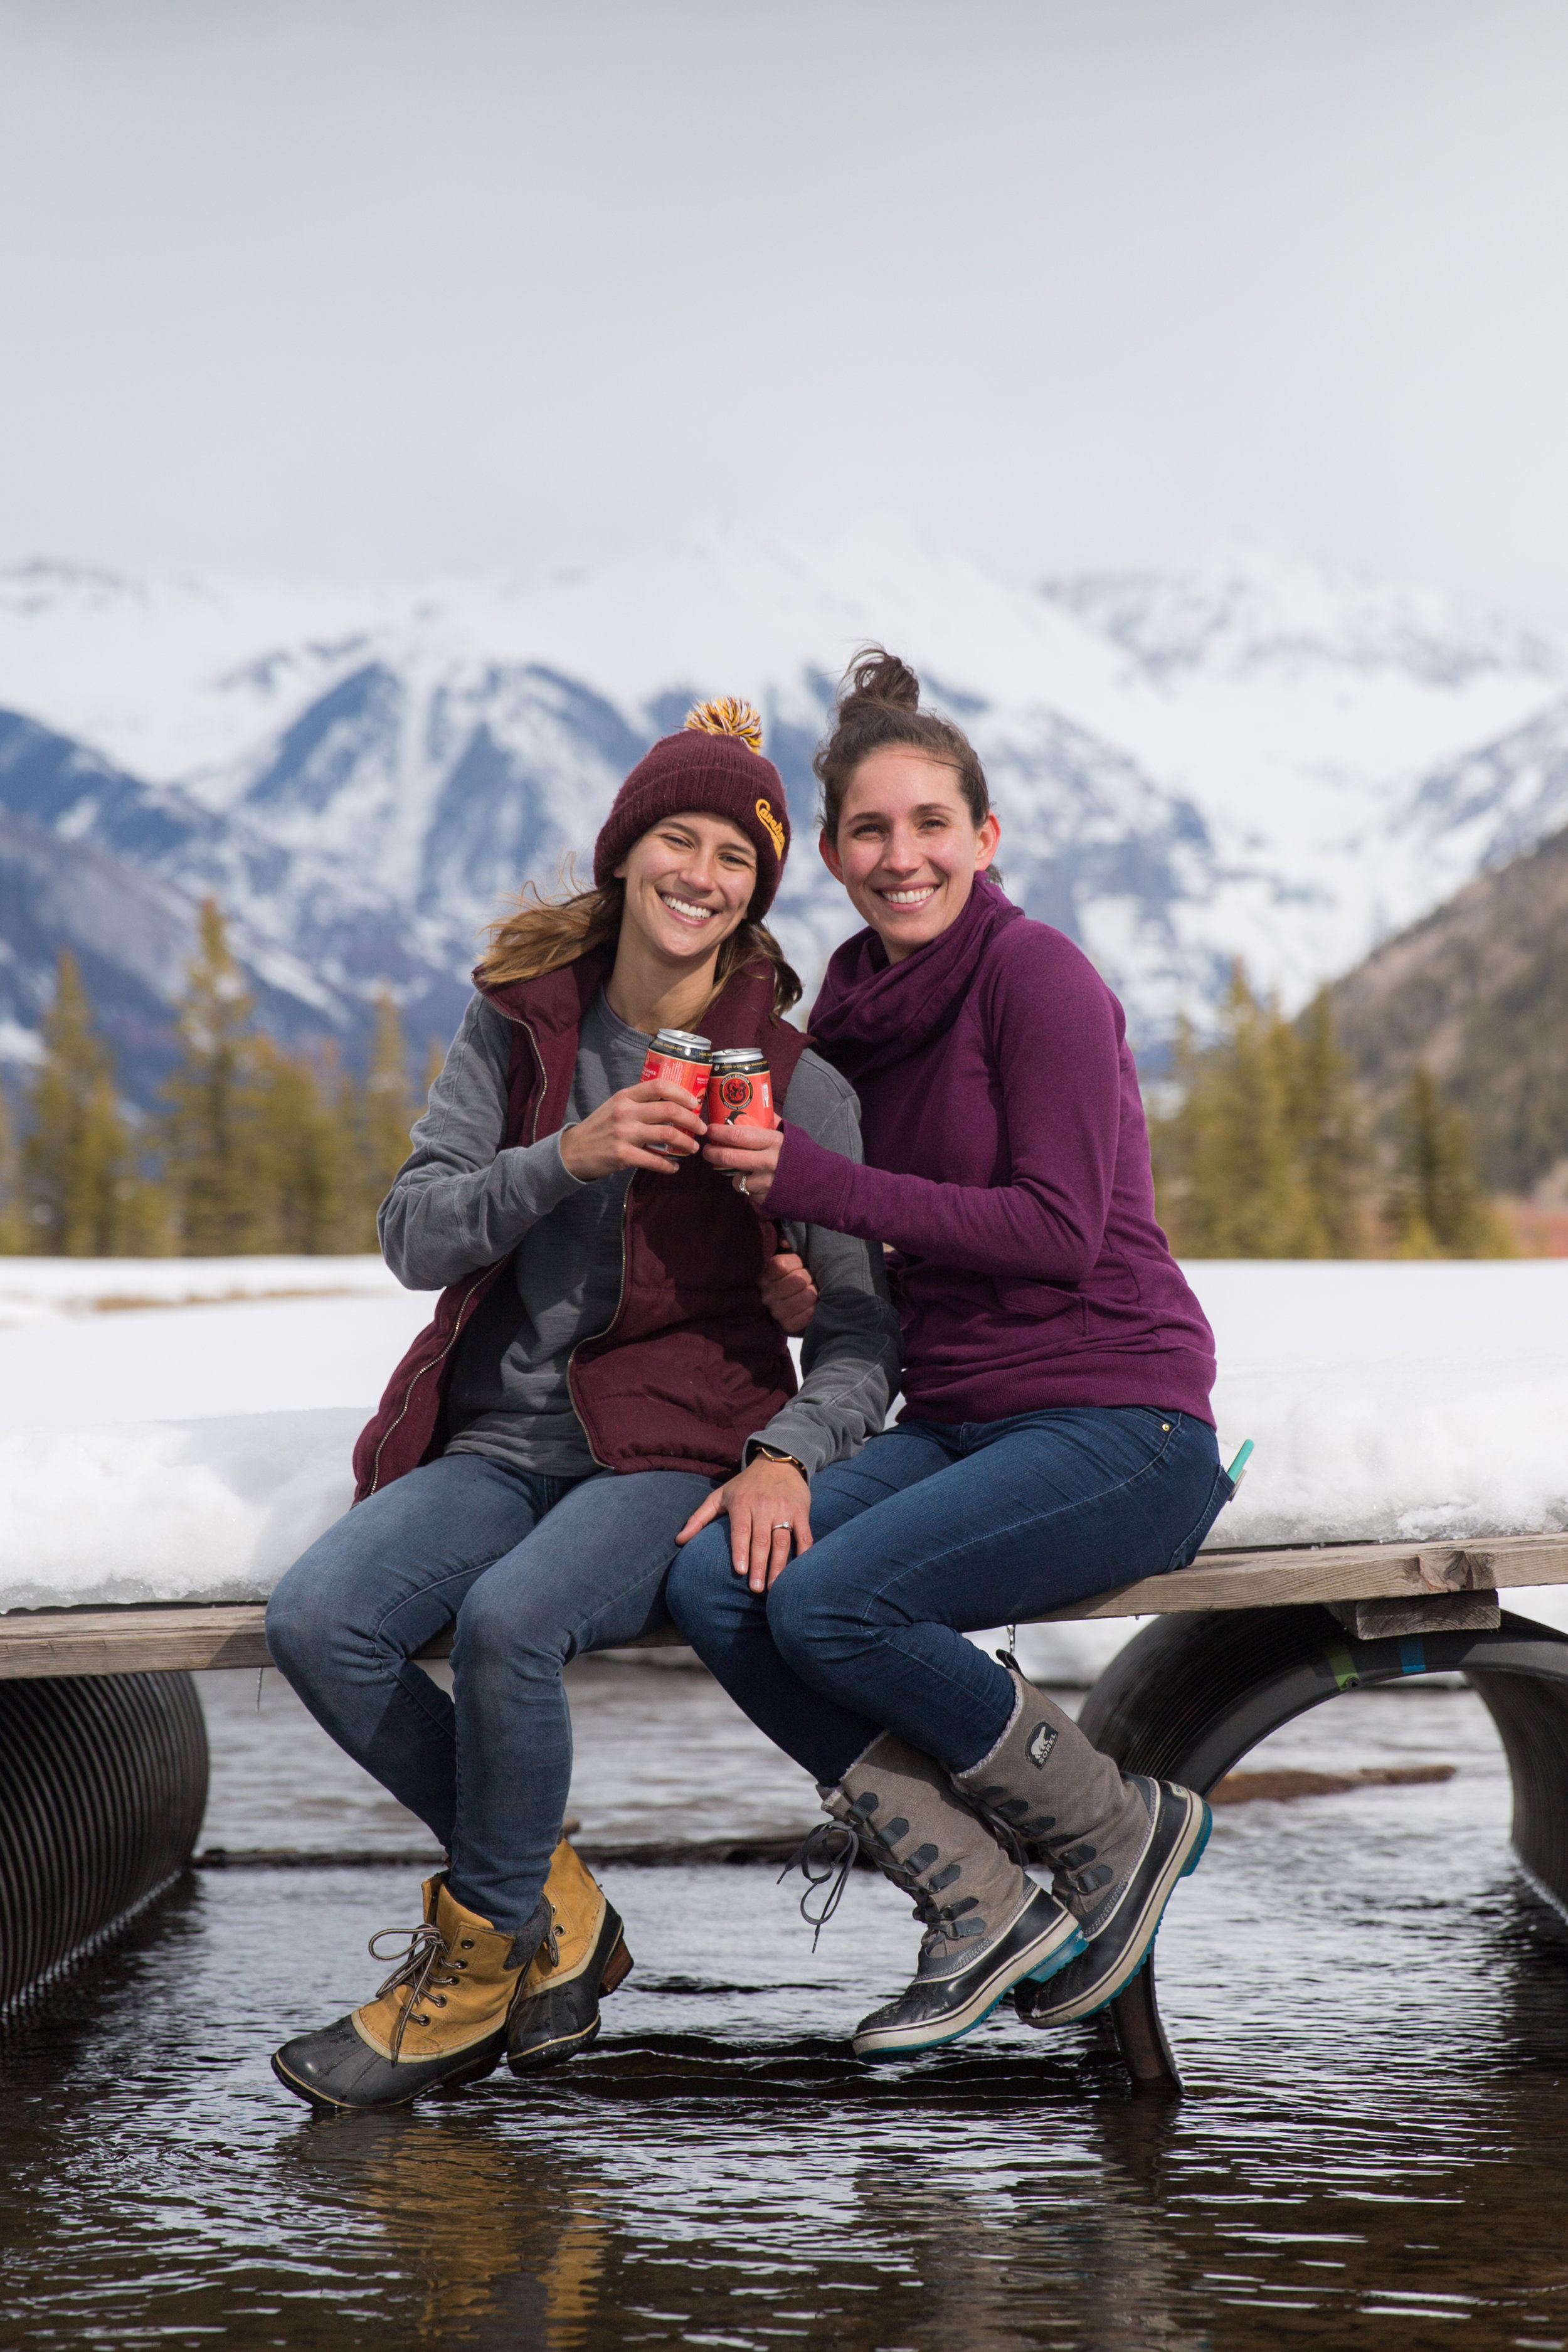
(852, 1353)
(459, 1201)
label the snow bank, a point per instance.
(191, 1453)
(41, 1289)
(197, 1510)
(1392, 1402)
(186, 1452)
(201, 1364)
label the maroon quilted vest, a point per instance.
(692, 1363)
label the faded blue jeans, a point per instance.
(933, 1530)
(534, 1570)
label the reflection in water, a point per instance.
(500, 2245)
(1371, 2011)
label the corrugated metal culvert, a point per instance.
(104, 1782)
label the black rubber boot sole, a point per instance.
(938, 2010)
(338, 2073)
(1113, 1957)
(556, 2025)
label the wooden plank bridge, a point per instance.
(106, 1791)
(1381, 1587)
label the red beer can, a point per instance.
(686, 1058)
(740, 1092)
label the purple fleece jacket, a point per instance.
(1008, 1169)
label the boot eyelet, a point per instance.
(467, 1943)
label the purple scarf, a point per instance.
(871, 1014)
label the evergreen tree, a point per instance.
(80, 1182)
(14, 1235)
(300, 1154)
(383, 1110)
(1434, 1206)
(215, 1129)
(1329, 1132)
(1227, 1166)
(1264, 1154)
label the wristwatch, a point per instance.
(777, 1454)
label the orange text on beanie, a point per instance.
(715, 763)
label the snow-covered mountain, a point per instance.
(1263, 758)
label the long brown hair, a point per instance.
(879, 704)
(543, 933)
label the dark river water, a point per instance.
(1370, 2008)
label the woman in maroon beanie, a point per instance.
(600, 1363)
(1056, 1437)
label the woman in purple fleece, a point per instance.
(1055, 1438)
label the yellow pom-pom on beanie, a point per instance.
(728, 716)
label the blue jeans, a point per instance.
(534, 1570)
(935, 1529)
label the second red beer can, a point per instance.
(740, 1092)
(681, 1054)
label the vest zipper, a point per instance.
(434, 1365)
(592, 1335)
(526, 1028)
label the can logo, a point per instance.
(740, 1098)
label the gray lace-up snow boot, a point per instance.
(986, 1922)
(1117, 1844)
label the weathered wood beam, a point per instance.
(161, 1640)
(1276, 1579)
(132, 1641)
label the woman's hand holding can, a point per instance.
(748, 1154)
(654, 1124)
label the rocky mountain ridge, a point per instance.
(1263, 757)
(1478, 993)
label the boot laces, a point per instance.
(424, 1964)
(936, 1918)
(822, 1870)
(825, 1869)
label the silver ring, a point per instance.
(787, 1524)
(740, 1184)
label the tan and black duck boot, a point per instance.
(583, 1955)
(437, 2022)
(987, 1924)
(1118, 1843)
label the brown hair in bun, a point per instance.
(878, 705)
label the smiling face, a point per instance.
(907, 850)
(690, 881)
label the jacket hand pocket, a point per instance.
(1040, 1302)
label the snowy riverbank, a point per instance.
(189, 1452)
(47, 1290)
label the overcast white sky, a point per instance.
(370, 287)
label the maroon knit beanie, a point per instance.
(715, 764)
